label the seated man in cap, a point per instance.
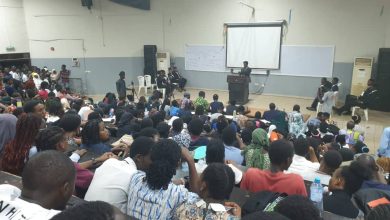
(48, 182)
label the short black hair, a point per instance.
(147, 132)
(272, 106)
(195, 127)
(165, 156)
(199, 110)
(219, 179)
(333, 159)
(280, 151)
(350, 125)
(258, 115)
(70, 122)
(40, 169)
(215, 97)
(202, 94)
(296, 108)
(360, 147)
(379, 212)
(146, 122)
(232, 102)
(177, 125)
(346, 154)
(54, 107)
(356, 119)
(175, 103)
(163, 129)
(298, 207)
(88, 210)
(228, 135)
(215, 151)
(141, 145)
(49, 138)
(94, 116)
(246, 62)
(341, 139)
(301, 146)
(335, 79)
(90, 133)
(29, 106)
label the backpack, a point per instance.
(262, 201)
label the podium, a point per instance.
(238, 88)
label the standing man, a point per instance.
(121, 85)
(65, 74)
(246, 71)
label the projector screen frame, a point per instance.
(280, 24)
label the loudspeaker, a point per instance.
(150, 61)
(383, 78)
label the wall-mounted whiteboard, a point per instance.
(315, 61)
(312, 61)
(205, 58)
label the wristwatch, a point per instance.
(94, 161)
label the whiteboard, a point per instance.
(205, 58)
(296, 60)
(314, 61)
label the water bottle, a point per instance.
(111, 113)
(234, 115)
(316, 194)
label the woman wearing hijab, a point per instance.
(296, 125)
(384, 148)
(7, 128)
(124, 125)
(256, 154)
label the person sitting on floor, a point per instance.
(215, 105)
(231, 107)
(280, 153)
(272, 114)
(201, 100)
(111, 180)
(41, 195)
(296, 125)
(152, 195)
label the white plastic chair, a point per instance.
(148, 82)
(319, 107)
(354, 108)
(141, 84)
(162, 90)
(335, 98)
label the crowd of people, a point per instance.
(162, 158)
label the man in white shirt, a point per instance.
(300, 165)
(111, 180)
(48, 182)
(330, 162)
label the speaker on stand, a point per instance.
(150, 61)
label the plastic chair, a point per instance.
(335, 98)
(141, 84)
(148, 82)
(354, 108)
(319, 107)
(162, 90)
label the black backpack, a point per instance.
(262, 201)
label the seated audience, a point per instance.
(351, 136)
(93, 135)
(379, 212)
(346, 154)
(384, 145)
(181, 137)
(215, 105)
(280, 153)
(71, 125)
(111, 180)
(215, 153)
(91, 210)
(315, 122)
(163, 129)
(7, 128)
(36, 108)
(272, 113)
(296, 125)
(359, 148)
(199, 113)
(357, 119)
(174, 108)
(124, 125)
(231, 107)
(41, 195)
(55, 110)
(231, 152)
(300, 165)
(377, 179)
(43, 91)
(152, 195)
(195, 128)
(201, 101)
(330, 162)
(217, 182)
(256, 153)
(297, 207)
(17, 152)
(344, 183)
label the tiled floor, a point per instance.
(373, 127)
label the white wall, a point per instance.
(13, 26)
(354, 26)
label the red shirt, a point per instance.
(256, 180)
(43, 94)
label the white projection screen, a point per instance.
(258, 43)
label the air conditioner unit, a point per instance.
(362, 70)
(163, 61)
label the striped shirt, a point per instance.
(145, 203)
